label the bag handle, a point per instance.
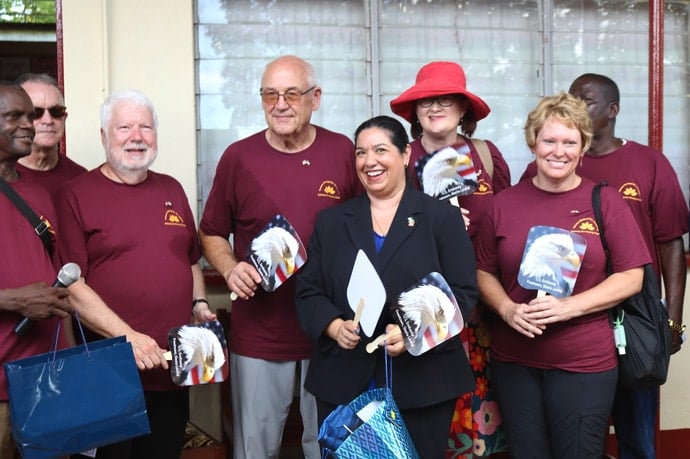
(51, 360)
(388, 362)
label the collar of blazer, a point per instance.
(405, 222)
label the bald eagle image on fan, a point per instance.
(447, 173)
(277, 253)
(198, 354)
(551, 260)
(428, 314)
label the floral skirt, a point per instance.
(476, 428)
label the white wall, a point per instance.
(675, 394)
(149, 45)
(146, 45)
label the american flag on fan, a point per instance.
(277, 253)
(196, 376)
(198, 354)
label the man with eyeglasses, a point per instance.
(295, 169)
(46, 165)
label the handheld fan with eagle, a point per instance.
(277, 253)
(551, 260)
(428, 314)
(447, 173)
(198, 354)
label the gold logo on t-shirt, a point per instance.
(483, 187)
(328, 189)
(586, 225)
(173, 218)
(630, 190)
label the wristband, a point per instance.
(199, 300)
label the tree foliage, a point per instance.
(27, 11)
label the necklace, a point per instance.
(380, 229)
(386, 210)
(377, 226)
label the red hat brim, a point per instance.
(405, 104)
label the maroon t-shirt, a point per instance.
(24, 261)
(53, 179)
(479, 201)
(253, 183)
(646, 180)
(135, 245)
(584, 344)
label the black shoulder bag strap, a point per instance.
(596, 205)
(616, 314)
(40, 227)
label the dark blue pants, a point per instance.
(554, 414)
(634, 417)
(168, 414)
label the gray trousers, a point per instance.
(262, 392)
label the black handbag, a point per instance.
(644, 319)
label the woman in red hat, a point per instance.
(436, 106)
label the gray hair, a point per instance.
(131, 96)
(42, 78)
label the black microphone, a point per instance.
(68, 275)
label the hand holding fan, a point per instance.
(277, 253)
(198, 354)
(365, 293)
(428, 314)
(551, 260)
(447, 173)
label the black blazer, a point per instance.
(426, 235)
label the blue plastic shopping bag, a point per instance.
(382, 435)
(75, 399)
(369, 427)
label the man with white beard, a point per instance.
(132, 232)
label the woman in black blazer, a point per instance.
(406, 235)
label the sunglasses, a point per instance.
(57, 111)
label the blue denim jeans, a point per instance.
(634, 417)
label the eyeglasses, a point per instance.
(291, 96)
(443, 101)
(56, 111)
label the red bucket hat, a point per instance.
(433, 80)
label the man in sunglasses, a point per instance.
(295, 169)
(46, 165)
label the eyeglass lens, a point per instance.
(56, 111)
(443, 101)
(291, 96)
